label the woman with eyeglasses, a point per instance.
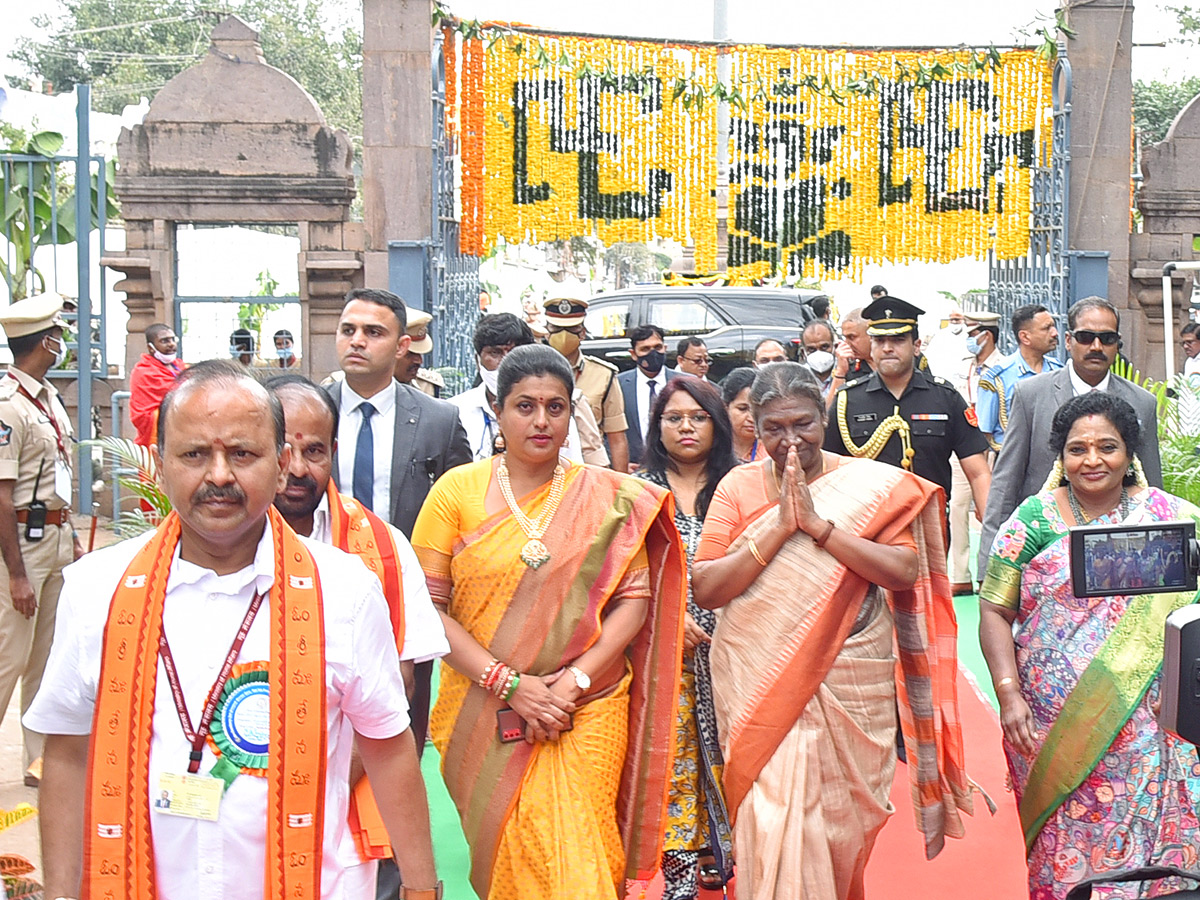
(821, 564)
(735, 391)
(689, 449)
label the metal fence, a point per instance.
(454, 276)
(89, 318)
(1042, 275)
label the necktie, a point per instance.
(364, 459)
(649, 411)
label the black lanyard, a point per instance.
(197, 736)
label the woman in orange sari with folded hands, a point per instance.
(561, 588)
(821, 565)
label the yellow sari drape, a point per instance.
(571, 818)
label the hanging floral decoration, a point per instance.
(840, 158)
(837, 158)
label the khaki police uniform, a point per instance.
(28, 443)
(597, 379)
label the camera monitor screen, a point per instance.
(1133, 559)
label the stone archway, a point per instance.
(1169, 201)
(233, 140)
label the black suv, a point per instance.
(730, 320)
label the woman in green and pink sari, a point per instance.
(1102, 790)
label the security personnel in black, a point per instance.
(903, 416)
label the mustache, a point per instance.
(306, 481)
(219, 492)
(1097, 355)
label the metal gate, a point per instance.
(454, 281)
(88, 318)
(1042, 275)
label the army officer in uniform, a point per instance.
(36, 540)
(903, 416)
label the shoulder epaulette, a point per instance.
(857, 381)
(8, 388)
(603, 362)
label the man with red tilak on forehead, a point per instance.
(312, 505)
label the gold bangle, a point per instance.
(1003, 681)
(754, 552)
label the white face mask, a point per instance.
(955, 327)
(820, 361)
(490, 379)
(165, 358)
(60, 353)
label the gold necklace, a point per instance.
(534, 554)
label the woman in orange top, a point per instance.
(818, 561)
(556, 709)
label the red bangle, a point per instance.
(825, 536)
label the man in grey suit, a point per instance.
(1093, 339)
(415, 438)
(640, 386)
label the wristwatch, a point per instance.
(581, 678)
(434, 893)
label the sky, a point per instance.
(856, 22)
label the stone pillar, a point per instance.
(1101, 140)
(397, 184)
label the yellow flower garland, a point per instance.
(837, 157)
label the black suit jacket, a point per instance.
(429, 439)
(628, 382)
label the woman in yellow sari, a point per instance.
(823, 565)
(562, 591)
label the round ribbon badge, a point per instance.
(241, 726)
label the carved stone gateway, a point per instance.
(234, 140)
(1169, 201)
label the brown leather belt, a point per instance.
(53, 516)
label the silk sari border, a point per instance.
(1106, 695)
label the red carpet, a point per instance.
(988, 862)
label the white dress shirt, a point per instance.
(1079, 386)
(1191, 365)
(479, 421)
(383, 433)
(424, 636)
(643, 395)
(224, 860)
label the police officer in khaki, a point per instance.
(596, 378)
(36, 539)
(409, 367)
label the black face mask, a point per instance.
(652, 362)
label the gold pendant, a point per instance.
(534, 553)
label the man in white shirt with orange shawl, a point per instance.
(165, 684)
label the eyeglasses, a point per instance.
(698, 420)
(1107, 338)
(698, 360)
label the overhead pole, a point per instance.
(724, 76)
(83, 321)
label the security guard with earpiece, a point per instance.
(36, 540)
(903, 416)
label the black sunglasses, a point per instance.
(1107, 338)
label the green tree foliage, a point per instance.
(38, 206)
(128, 49)
(1157, 103)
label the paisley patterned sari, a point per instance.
(1108, 791)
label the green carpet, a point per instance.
(449, 846)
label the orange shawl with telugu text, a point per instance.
(762, 685)
(356, 530)
(118, 855)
